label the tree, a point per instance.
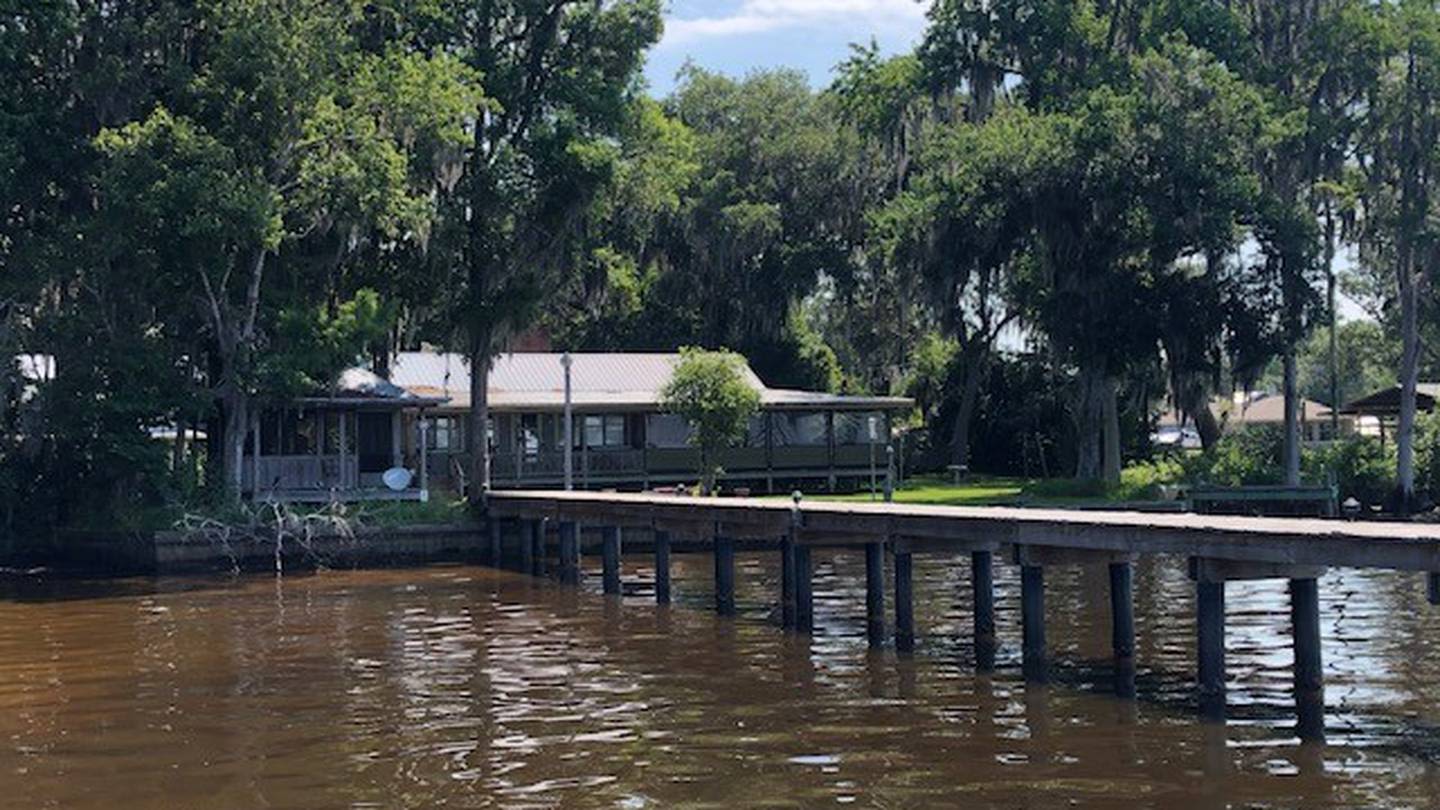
(557, 77)
(709, 390)
(1400, 167)
(297, 145)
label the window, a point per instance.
(604, 431)
(666, 431)
(800, 429)
(445, 434)
(854, 428)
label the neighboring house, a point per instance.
(1379, 413)
(341, 444)
(622, 437)
(1244, 411)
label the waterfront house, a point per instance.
(352, 442)
(1250, 410)
(622, 438)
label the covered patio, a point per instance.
(349, 444)
(1384, 408)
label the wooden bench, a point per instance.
(1317, 501)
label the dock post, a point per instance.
(1432, 588)
(804, 590)
(527, 529)
(610, 558)
(904, 602)
(875, 593)
(569, 552)
(1032, 618)
(493, 551)
(982, 576)
(787, 583)
(662, 567)
(1210, 644)
(537, 558)
(1309, 675)
(1122, 626)
(724, 575)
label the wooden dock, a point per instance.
(1219, 549)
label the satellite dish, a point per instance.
(397, 478)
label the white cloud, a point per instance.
(759, 16)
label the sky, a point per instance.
(737, 36)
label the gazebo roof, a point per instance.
(1387, 401)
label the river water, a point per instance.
(467, 687)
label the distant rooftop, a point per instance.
(608, 380)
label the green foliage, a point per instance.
(710, 392)
(1360, 466)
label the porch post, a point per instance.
(397, 441)
(344, 441)
(424, 458)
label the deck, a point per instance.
(931, 529)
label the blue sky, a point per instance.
(737, 36)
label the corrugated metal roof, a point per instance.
(598, 380)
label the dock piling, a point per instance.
(1309, 675)
(904, 602)
(982, 580)
(724, 576)
(1210, 647)
(804, 590)
(526, 540)
(610, 559)
(1032, 618)
(875, 593)
(492, 552)
(537, 555)
(569, 552)
(1432, 588)
(787, 583)
(1122, 626)
(662, 567)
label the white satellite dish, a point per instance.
(397, 478)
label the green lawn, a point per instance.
(992, 491)
(938, 491)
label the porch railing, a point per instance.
(300, 472)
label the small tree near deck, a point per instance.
(710, 392)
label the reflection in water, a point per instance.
(469, 687)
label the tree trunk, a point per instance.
(974, 374)
(476, 433)
(1292, 420)
(1409, 381)
(1089, 423)
(237, 418)
(1111, 410)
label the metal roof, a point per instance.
(362, 386)
(603, 380)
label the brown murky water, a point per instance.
(466, 687)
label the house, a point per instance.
(1246, 410)
(1379, 413)
(622, 438)
(352, 442)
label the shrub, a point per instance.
(1143, 480)
(1360, 466)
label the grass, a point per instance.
(937, 490)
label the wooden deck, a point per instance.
(930, 529)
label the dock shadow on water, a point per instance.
(468, 687)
